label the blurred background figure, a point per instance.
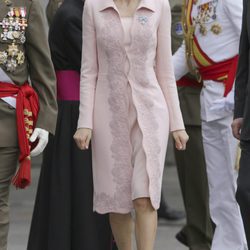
(63, 216)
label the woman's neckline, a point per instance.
(114, 1)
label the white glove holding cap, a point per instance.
(43, 137)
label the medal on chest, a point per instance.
(14, 25)
(206, 14)
(13, 28)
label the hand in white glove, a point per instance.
(225, 104)
(43, 138)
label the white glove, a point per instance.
(43, 138)
(225, 104)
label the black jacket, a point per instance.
(65, 36)
(242, 84)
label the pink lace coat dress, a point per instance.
(128, 97)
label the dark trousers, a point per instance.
(243, 191)
(194, 186)
(8, 164)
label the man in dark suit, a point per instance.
(241, 123)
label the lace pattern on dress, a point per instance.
(142, 41)
(118, 103)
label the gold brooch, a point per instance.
(20, 57)
(12, 50)
(216, 29)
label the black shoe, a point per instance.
(170, 214)
(182, 238)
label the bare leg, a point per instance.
(145, 224)
(121, 225)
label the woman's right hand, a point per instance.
(181, 138)
(82, 138)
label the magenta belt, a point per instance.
(68, 85)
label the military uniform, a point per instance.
(191, 162)
(24, 55)
(212, 30)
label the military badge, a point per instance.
(4, 24)
(11, 57)
(22, 37)
(13, 28)
(4, 36)
(203, 30)
(207, 14)
(14, 25)
(16, 34)
(11, 65)
(3, 57)
(20, 58)
(216, 28)
(12, 50)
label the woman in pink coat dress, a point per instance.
(128, 105)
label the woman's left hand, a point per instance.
(181, 138)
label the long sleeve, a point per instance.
(89, 69)
(41, 69)
(243, 66)
(165, 70)
(180, 62)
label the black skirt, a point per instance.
(63, 217)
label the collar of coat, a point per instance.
(148, 4)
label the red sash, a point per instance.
(188, 82)
(27, 108)
(222, 72)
